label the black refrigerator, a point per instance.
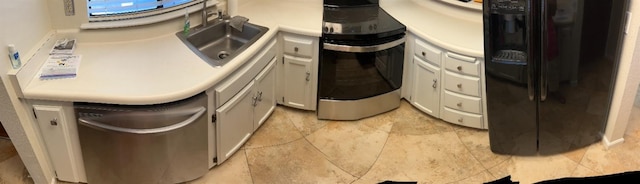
(550, 68)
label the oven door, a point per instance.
(357, 72)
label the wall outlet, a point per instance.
(69, 9)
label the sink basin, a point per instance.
(218, 42)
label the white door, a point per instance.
(297, 80)
(234, 123)
(265, 95)
(426, 87)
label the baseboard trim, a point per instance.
(609, 144)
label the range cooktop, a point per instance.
(359, 22)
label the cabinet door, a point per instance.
(297, 82)
(233, 125)
(265, 95)
(54, 128)
(426, 87)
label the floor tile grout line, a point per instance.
(275, 145)
(327, 157)
(469, 150)
(379, 154)
(246, 158)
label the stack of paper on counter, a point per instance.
(64, 47)
(60, 66)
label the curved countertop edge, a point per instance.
(34, 93)
(445, 45)
(270, 18)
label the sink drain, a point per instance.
(223, 54)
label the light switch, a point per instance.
(69, 9)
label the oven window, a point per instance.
(353, 76)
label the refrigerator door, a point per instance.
(511, 98)
(576, 72)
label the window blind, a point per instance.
(102, 8)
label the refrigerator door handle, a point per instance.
(544, 64)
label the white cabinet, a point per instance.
(233, 124)
(58, 130)
(243, 101)
(425, 94)
(426, 87)
(265, 95)
(463, 91)
(298, 76)
(445, 84)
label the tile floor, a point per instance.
(401, 145)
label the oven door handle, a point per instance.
(361, 49)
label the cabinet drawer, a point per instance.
(427, 52)
(462, 102)
(462, 118)
(462, 64)
(298, 46)
(462, 84)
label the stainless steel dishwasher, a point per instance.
(164, 143)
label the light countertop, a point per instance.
(162, 69)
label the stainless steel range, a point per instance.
(361, 60)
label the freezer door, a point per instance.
(510, 83)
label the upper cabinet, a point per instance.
(298, 80)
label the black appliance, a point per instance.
(361, 60)
(550, 68)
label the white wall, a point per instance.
(626, 81)
(24, 23)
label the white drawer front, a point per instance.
(427, 52)
(462, 84)
(462, 64)
(462, 102)
(462, 118)
(298, 46)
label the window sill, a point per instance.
(145, 20)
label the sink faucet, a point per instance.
(205, 14)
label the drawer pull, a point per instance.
(295, 49)
(459, 68)
(459, 86)
(424, 54)
(459, 104)
(308, 75)
(54, 122)
(460, 120)
(435, 82)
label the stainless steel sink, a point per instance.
(218, 42)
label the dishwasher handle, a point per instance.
(198, 112)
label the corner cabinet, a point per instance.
(445, 84)
(298, 75)
(243, 101)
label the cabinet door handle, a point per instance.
(459, 104)
(308, 75)
(54, 122)
(424, 54)
(435, 83)
(295, 49)
(460, 120)
(459, 86)
(459, 68)
(259, 96)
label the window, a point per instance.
(104, 10)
